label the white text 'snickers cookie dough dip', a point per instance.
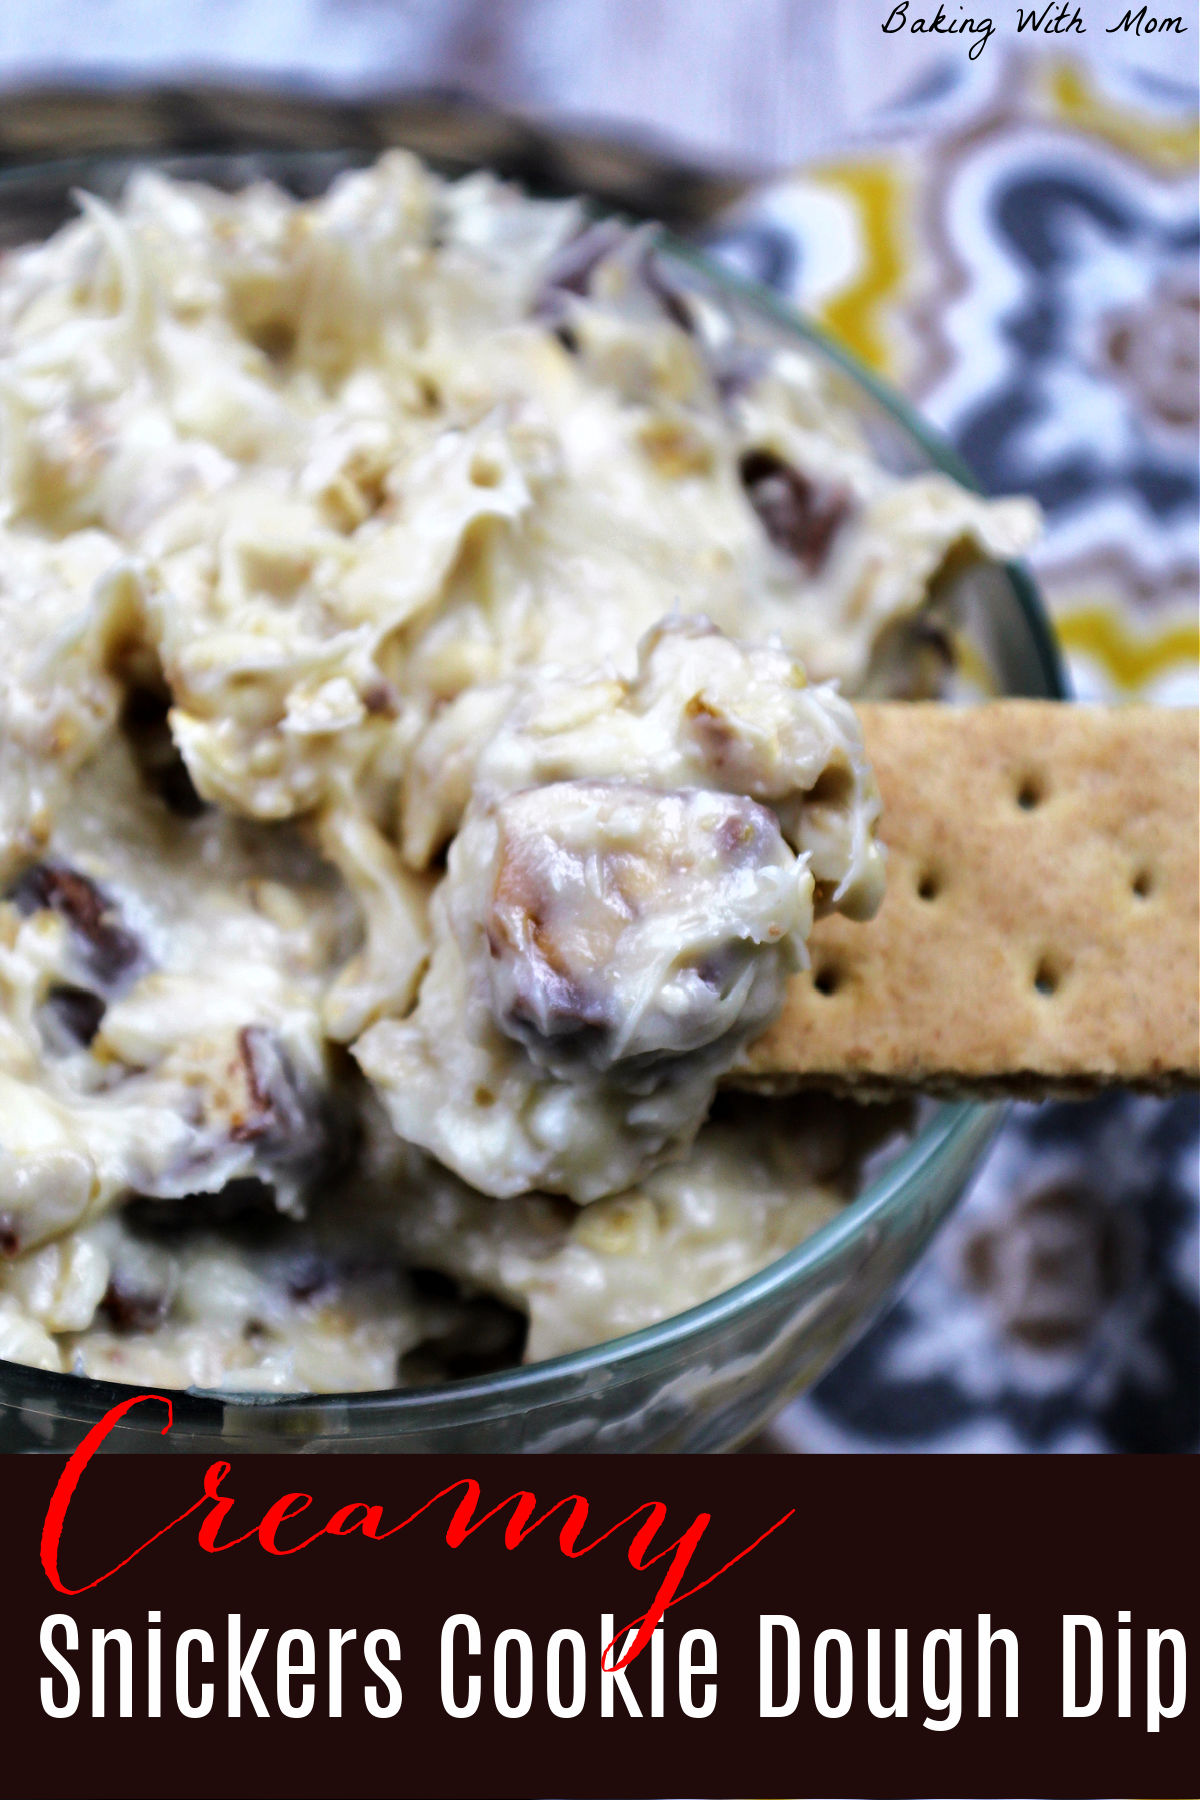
(423, 753)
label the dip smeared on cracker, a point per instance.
(418, 733)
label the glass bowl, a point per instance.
(708, 1378)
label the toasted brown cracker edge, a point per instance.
(1041, 927)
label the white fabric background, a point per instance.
(753, 83)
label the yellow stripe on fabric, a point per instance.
(1073, 97)
(1132, 661)
(855, 315)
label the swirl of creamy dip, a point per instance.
(625, 899)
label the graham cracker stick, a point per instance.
(1041, 928)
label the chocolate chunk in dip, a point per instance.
(291, 1121)
(625, 924)
(71, 1016)
(129, 1308)
(798, 515)
(109, 950)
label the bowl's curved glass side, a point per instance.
(703, 1388)
(704, 1379)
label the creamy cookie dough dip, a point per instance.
(425, 745)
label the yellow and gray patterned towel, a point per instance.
(1024, 263)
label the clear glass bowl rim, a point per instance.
(900, 1183)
